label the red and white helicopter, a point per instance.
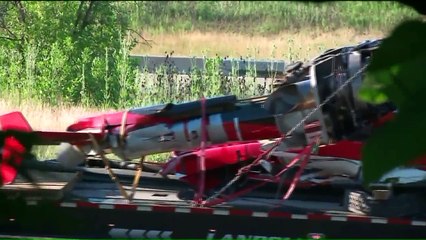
(313, 121)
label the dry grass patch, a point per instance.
(300, 45)
(44, 117)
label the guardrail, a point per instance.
(184, 65)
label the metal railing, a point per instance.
(239, 66)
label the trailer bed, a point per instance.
(91, 206)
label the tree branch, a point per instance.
(10, 33)
(89, 12)
(3, 21)
(78, 19)
(146, 41)
(9, 38)
(21, 10)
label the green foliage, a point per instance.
(268, 16)
(397, 73)
(167, 85)
(78, 53)
(71, 51)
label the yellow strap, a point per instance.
(108, 168)
(137, 177)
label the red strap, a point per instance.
(201, 163)
(298, 173)
(233, 195)
(306, 151)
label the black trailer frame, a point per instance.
(92, 208)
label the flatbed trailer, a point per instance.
(88, 204)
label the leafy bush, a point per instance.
(71, 51)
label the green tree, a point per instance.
(69, 51)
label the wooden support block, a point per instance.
(47, 185)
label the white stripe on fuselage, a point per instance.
(237, 128)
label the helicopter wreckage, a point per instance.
(307, 134)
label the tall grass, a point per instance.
(167, 85)
(302, 45)
(267, 17)
(46, 117)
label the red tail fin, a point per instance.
(14, 121)
(11, 149)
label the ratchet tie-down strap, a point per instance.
(303, 156)
(107, 165)
(122, 143)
